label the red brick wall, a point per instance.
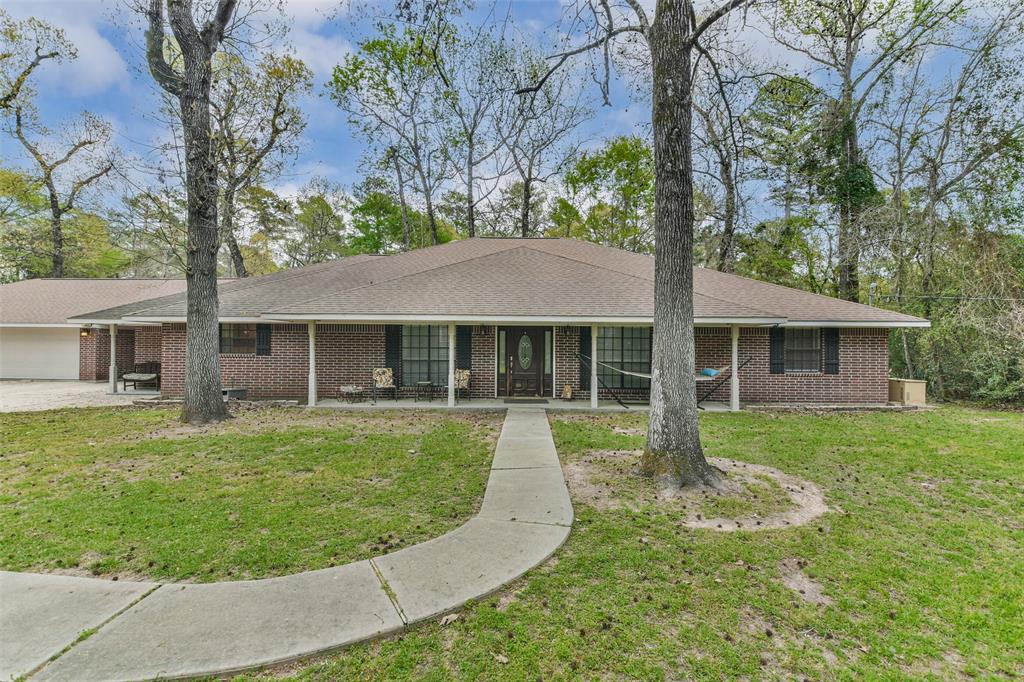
(282, 374)
(148, 342)
(94, 353)
(347, 353)
(483, 369)
(567, 366)
(863, 368)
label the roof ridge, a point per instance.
(580, 260)
(409, 274)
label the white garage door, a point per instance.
(38, 353)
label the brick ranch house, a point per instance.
(523, 316)
(37, 341)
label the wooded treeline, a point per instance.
(876, 155)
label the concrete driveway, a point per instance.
(29, 396)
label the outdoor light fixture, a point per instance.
(85, 332)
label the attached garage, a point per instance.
(39, 352)
(37, 342)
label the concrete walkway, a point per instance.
(146, 630)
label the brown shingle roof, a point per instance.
(52, 301)
(496, 279)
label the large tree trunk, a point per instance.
(849, 205)
(203, 400)
(726, 251)
(470, 201)
(524, 213)
(57, 242)
(227, 221)
(406, 240)
(673, 439)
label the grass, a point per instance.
(132, 493)
(920, 555)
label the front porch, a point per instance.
(541, 362)
(490, 404)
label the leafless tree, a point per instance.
(257, 125)
(84, 158)
(24, 46)
(858, 44)
(540, 126)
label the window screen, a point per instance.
(424, 354)
(803, 350)
(625, 348)
(238, 339)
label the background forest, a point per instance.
(868, 150)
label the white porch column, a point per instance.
(112, 372)
(593, 366)
(311, 397)
(734, 376)
(451, 365)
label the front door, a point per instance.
(524, 348)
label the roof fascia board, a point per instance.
(120, 322)
(874, 324)
(519, 319)
(39, 325)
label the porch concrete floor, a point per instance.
(552, 404)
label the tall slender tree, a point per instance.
(859, 43)
(673, 36)
(257, 126)
(189, 80)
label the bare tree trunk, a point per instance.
(227, 221)
(524, 213)
(673, 439)
(56, 239)
(726, 251)
(406, 241)
(470, 202)
(849, 210)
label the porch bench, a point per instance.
(144, 373)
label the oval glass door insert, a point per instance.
(525, 352)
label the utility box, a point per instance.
(907, 391)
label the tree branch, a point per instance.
(715, 16)
(162, 72)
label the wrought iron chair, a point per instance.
(383, 381)
(462, 383)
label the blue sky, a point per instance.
(109, 79)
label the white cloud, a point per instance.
(320, 52)
(98, 67)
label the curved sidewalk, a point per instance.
(146, 630)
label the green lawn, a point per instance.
(922, 557)
(131, 493)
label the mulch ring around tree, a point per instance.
(754, 496)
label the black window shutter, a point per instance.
(831, 339)
(463, 347)
(777, 351)
(220, 332)
(393, 350)
(585, 353)
(263, 339)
